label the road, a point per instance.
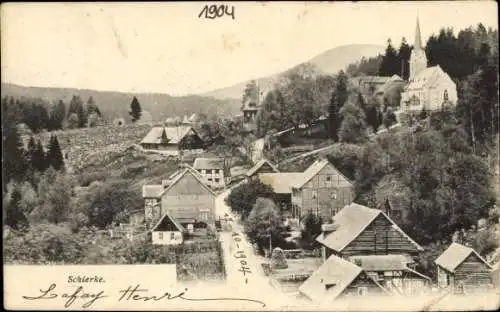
(244, 272)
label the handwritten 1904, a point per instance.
(216, 11)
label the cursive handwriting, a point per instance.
(79, 293)
(130, 293)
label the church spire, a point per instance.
(418, 42)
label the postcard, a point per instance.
(250, 156)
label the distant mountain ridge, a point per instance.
(221, 102)
(117, 104)
(328, 62)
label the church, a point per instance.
(428, 88)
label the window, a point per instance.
(362, 291)
(209, 179)
(328, 178)
(217, 180)
(445, 96)
(204, 215)
(314, 194)
(172, 235)
(334, 194)
(160, 235)
(216, 170)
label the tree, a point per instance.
(242, 198)
(264, 224)
(372, 113)
(390, 64)
(353, 126)
(54, 155)
(76, 107)
(57, 115)
(135, 110)
(251, 92)
(339, 97)
(92, 107)
(55, 192)
(404, 54)
(73, 121)
(104, 203)
(389, 118)
(14, 163)
(312, 228)
(14, 216)
(278, 259)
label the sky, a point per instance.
(167, 48)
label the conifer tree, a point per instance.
(135, 110)
(339, 97)
(14, 216)
(390, 63)
(54, 155)
(40, 162)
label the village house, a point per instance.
(429, 88)
(262, 166)
(358, 230)
(321, 189)
(212, 171)
(167, 231)
(463, 269)
(370, 84)
(173, 140)
(395, 273)
(338, 279)
(185, 196)
(390, 92)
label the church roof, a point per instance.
(427, 78)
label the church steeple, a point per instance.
(418, 60)
(418, 42)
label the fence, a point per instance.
(300, 253)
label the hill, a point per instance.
(117, 104)
(329, 62)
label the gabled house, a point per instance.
(359, 230)
(173, 140)
(338, 279)
(394, 272)
(322, 190)
(167, 231)
(463, 269)
(185, 196)
(262, 166)
(212, 171)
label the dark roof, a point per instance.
(456, 253)
(351, 221)
(168, 224)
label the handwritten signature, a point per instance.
(131, 293)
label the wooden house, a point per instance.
(463, 269)
(394, 272)
(321, 190)
(212, 171)
(339, 279)
(359, 230)
(173, 140)
(185, 196)
(167, 231)
(263, 166)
